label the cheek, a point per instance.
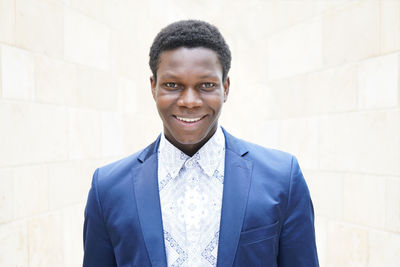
(163, 106)
(215, 103)
(161, 101)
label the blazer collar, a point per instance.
(150, 150)
(234, 144)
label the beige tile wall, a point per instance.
(317, 78)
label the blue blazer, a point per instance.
(267, 217)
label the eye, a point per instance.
(171, 85)
(207, 85)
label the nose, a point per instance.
(190, 98)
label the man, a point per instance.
(198, 196)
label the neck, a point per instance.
(191, 149)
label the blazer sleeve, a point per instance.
(297, 239)
(98, 250)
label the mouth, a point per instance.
(189, 120)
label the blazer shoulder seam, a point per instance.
(289, 187)
(98, 198)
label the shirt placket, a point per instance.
(192, 209)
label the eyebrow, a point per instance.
(209, 76)
(169, 76)
(172, 76)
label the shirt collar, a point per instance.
(209, 156)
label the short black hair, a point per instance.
(190, 34)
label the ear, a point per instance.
(153, 84)
(227, 83)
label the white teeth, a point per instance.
(187, 119)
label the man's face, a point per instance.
(189, 94)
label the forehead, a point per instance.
(189, 59)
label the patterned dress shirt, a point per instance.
(190, 191)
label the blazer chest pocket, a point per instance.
(259, 234)
(257, 247)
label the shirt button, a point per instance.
(189, 164)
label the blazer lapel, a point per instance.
(237, 179)
(148, 206)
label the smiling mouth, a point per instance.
(189, 120)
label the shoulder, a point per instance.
(258, 154)
(119, 167)
(265, 154)
(114, 173)
(272, 162)
(271, 168)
